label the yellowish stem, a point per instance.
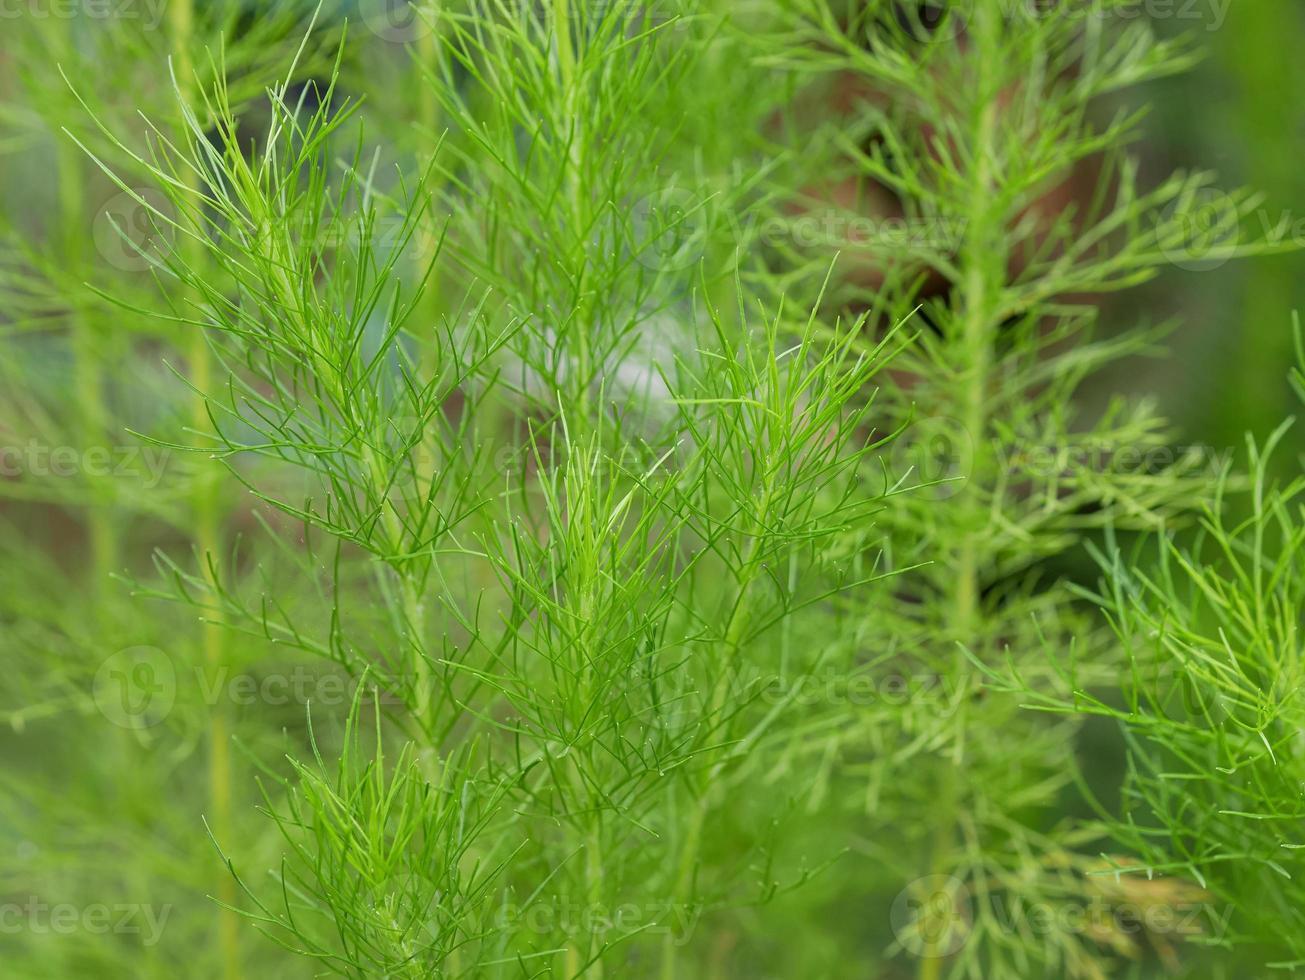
(206, 509)
(985, 271)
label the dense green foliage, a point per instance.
(581, 490)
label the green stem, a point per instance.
(573, 111)
(984, 260)
(88, 372)
(735, 630)
(566, 59)
(412, 609)
(428, 248)
(412, 603)
(428, 240)
(594, 881)
(593, 877)
(206, 509)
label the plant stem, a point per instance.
(428, 241)
(594, 880)
(566, 61)
(734, 633)
(428, 249)
(88, 375)
(412, 609)
(580, 328)
(206, 510)
(984, 261)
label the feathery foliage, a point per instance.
(653, 434)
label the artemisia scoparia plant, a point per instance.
(676, 562)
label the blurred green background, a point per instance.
(1240, 113)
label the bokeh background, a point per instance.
(1240, 112)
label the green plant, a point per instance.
(978, 128)
(669, 584)
(585, 643)
(71, 465)
(1209, 702)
